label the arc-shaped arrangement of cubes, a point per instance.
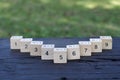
(61, 55)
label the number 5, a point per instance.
(61, 57)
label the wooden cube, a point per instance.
(35, 48)
(106, 42)
(25, 44)
(96, 45)
(85, 48)
(47, 51)
(73, 52)
(15, 42)
(60, 55)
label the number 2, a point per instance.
(36, 49)
(106, 44)
(46, 53)
(26, 46)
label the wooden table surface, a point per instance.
(21, 66)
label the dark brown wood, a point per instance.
(21, 66)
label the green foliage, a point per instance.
(59, 18)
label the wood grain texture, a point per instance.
(21, 66)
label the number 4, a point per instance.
(46, 53)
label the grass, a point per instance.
(59, 18)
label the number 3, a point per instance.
(96, 47)
(73, 53)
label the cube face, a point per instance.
(107, 45)
(96, 45)
(25, 44)
(35, 48)
(47, 52)
(85, 48)
(60, 55)
(106, 42)
(15, 42)
(73, 52)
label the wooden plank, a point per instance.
(101, 66)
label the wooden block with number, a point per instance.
(25, 44)
(106, 42)
(96, 45)
(15, 42)
(73, 52)
(85, 48)
(47, 51)
(35, 48)
(60, 55)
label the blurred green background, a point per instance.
(59, 18)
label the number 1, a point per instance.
(15, 44)
(86, 50)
